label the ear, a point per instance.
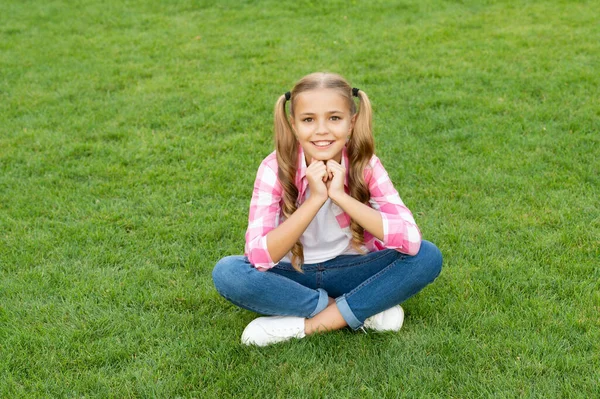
(293, 124)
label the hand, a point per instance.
(335, 183)
(317, 175)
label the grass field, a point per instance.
(130, 135)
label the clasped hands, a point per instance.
(326, 179)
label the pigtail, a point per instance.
(360, 149)
(286, 147)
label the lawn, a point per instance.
(130, 136)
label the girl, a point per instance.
(329, 241)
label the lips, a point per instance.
(322, 143)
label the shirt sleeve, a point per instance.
(400, 231)
(263, 216)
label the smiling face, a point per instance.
(322, 122)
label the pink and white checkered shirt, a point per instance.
(399, 228)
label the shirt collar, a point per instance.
(301, 167)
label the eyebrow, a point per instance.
(328, 112)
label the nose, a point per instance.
(321, 127)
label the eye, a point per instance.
(307, 120)
(335, 118)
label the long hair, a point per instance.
(360, 149)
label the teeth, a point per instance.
(322, 143)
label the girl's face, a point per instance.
(322, 123)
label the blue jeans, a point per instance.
(363, 285)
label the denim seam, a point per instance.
(315, 266)
(364, 261)
(319, 278)
(372, 278)
(290, 268)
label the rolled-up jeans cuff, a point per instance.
(322, 304)
(347, 314)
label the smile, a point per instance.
(322, 144)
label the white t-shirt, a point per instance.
(324, 239)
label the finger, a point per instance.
(315, 165)
(337, 169)
(317, 176)
(315, 161)
(315, 173)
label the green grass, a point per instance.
(130, 135)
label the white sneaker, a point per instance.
(270, 330)
(388, 320)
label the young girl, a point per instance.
(329, 241)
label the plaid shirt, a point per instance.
(399, 228)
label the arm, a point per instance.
(267, 243)
(392, 222)
(369, 218)
(281, 240)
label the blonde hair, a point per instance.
(359, 148)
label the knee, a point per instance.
(431, 259)
(226, 273)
